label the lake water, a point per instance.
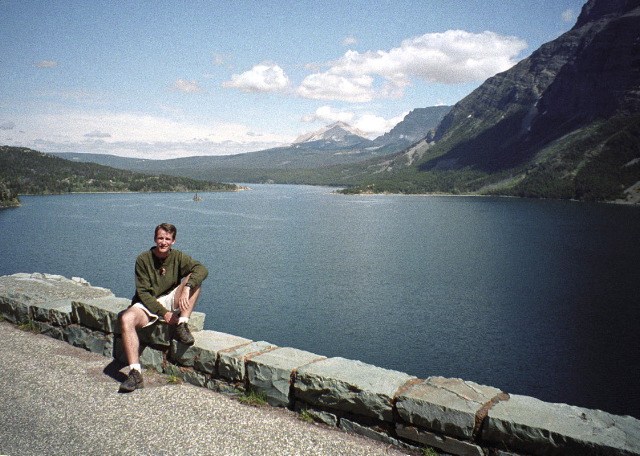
(540, 298)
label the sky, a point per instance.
(165, 79)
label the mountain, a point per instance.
(113, 161)
(338, 135)
(26, 171)
(313, 158)
(562, 123)
(415, 126)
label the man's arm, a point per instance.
(197, 270)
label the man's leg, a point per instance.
(183, 334)
(130, 320)
(193, 298)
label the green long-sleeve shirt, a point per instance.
(151, 283)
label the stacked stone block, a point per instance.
(451, 415)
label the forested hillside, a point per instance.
(7, 197)
(25, 171)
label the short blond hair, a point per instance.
(168, 227)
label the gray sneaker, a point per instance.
(183, 334)
(133, 382)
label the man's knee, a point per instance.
(128, 318)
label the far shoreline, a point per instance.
(239, 189)
(631, 202)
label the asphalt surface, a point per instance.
(56, 399)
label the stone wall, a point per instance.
(450, 415)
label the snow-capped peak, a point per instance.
(336, 132)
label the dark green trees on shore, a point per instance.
(28, 172)
(7, 197)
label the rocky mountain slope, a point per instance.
(415, 126)
(562, 123)
(338, 135)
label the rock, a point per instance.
(317, 415)
(51, 286)
(55, 332)
(370, 433)
(203, 354)
(188, 375)
(528, 425)
(446, 405)
(15, 306)
(231, 363)
(442, 442)
(270, 372)
(58, 313)
(100, 313)
(150, 358)
(351, 386)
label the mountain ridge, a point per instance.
(338, 132)
(526, 131)
(289, 163)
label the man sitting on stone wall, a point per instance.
(167, 286)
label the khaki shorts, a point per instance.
(167, 303)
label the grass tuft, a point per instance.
(253, 398)
(306, 416)
(29, 326)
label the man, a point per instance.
(167, 288)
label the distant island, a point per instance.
(28, 172)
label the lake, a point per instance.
(534, 297)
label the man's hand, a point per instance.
(170, 318)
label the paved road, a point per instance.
(56, 399)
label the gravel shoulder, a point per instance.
(57, 399)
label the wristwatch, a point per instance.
(189, 285)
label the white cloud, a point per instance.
(182, 85)
(370, 124)
(46, 64)
(349, 41)
(375, 126)
(7, 125)
(140, 135)
(176, 112)
(222, 60)
(328, 115)
(219, 59)
(265, 77)
(330, 86)
(569, 15)
(97, 134)
(451, 57)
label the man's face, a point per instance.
(164, 241)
